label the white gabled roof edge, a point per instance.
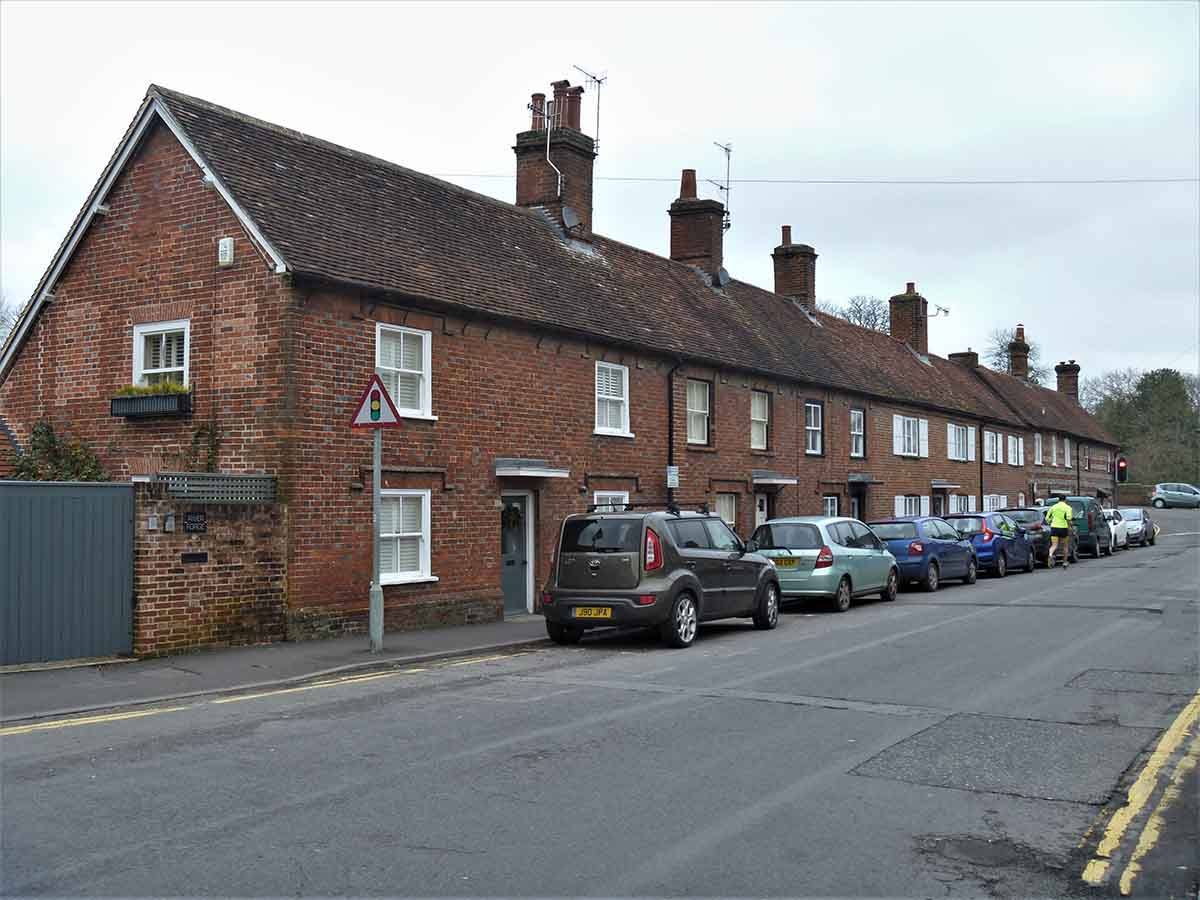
(152, 106)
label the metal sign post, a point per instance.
(376, 411)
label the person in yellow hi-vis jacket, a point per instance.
(1058, 517)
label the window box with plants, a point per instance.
(144, 401)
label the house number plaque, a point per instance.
(195, 522)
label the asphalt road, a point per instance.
(973, 742)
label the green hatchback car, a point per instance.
(832, 559)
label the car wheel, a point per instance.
(972, 573)
(1031, 562)
(841, 600)
(1158, 504)
(680, 628)
(932, 579)
(766, 613)
(892, 588)
(1001, 565)
(563, 634)
(1108, 551)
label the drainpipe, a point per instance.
(671, 422)
(979, 456)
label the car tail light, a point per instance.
(653, 558)
(547, 598)
(916, 548)
(824, 559)
(646, 600)
(987, 534)
(1036, 526)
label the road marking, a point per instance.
(1150, 834)
(88, 720)
(1181, 534)
(1139, 794)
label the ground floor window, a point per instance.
(727, 509)
(403, 536)
(610, 501)
(829, 504)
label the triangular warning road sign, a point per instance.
(375, 408)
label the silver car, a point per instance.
(1174, 493)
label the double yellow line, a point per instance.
(54, 724)
(1139, 796)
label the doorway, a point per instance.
(516, 552)
(762, 509)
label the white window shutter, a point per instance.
(924, 506)
(971, 443)
(897, 438)
(899, 505)
(923, 448)
(1021, 451)
(1004, 501)
(949, 441)
(971, 503)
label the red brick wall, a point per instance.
(1080, 478)
(154, 258)
(237, 596)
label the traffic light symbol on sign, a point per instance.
(1122, 469)
(376, 406)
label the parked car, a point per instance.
(1139, 526)
(661, 569)
(1117, 529)
(833, 559)
(1000, 543)
(1037, 532)
(927, 549)
(1173, 493)
(1093, 534)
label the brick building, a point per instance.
(538, 365)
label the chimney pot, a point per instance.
(574, 96)
(910, 288)
(687, 185)
(539, 112)
(787, 236)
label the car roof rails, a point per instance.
(673, 508)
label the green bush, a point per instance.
(153, 390)
(51, 458)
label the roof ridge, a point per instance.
(348, 152)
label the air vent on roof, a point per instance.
(571, 218)
(803, 307)
(722, 277)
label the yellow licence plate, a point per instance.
(593, 612)
(785, 564)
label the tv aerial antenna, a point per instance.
(724, 187)
(596, 82)
(939, 311)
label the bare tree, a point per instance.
(995, 354)
(8, 317)
(862, 310)
(1117, 386)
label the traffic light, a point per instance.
(1122, 470)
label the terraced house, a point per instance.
(538, 365)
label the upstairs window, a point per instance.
(612, 399)
(403, 362)
(910, 436)
(1037, 449)
(956, 442)
(760, 419)
(1067, 452)
(160, 352)
(991, 447)
(814, 443)
(858, 433)
(698, 393)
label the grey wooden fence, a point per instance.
(66, 570)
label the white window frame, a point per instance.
(140, 332)
(732, 498)
(1037, 449)
(817, 430)
(426, 373)
(906, 433)
(858, 438)
(956, 446)
(991, 446)
(623, 431)
(1054, 450)
(424, 574)
(608, 501)
(705, 412)
(764, 421)
(830, 500)
(1067, 453)
(912, 505)
(1086, 453)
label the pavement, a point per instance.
(44, 692)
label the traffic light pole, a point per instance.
(375, 596)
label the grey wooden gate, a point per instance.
(66, 570)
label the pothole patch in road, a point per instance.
(1018, 757)
(1004, 867)
(1124, 681)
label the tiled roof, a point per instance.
(352, 218)
(1045, 409)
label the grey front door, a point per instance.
(514, 556)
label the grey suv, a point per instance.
(663, 569)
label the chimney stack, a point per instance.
(910, 319)
(697, 228)
(1018, 354)
(795, 269)
(1068, 379)
(970, 359)
(572, 151)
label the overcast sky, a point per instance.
(1106, 273)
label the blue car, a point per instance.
(1000, 542)
(927, 550)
